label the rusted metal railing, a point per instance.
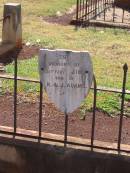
(91, 9)
(39, 136)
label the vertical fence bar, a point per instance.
(94, 112)
(107, 4)
(15, 92)
(102, 6)
(40, 109)
(77, 12)
(95, 9)
(125, 69)
(98, 7)
(80, 10)
(83, 12)
(66, 129)
(86, 10)
(105, 10)
(113, 12)
(91, 9)
(81, 15)
(123, 15)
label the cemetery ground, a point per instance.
(109, 49)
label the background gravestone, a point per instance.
(66, 76)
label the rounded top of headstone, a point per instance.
(12, 4)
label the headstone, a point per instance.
(66, 76)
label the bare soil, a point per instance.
(62, 19)
(116, 15)
(106, 128)
(65, 19)
(28, 51)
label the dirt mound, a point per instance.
(25, 53)
(28, 51)
(106, 128)
(62, 20)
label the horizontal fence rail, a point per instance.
(95, 89)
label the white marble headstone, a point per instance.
(66, 76)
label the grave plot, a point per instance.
(102, 13)
(117, 15)
(23, 107)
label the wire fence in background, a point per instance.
(100, 10)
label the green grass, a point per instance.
(109, 103)
(27, 68)
(109, 50)
(41, 7)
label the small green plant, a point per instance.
(109, 103)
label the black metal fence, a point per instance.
(39, 137)
(99, 10)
